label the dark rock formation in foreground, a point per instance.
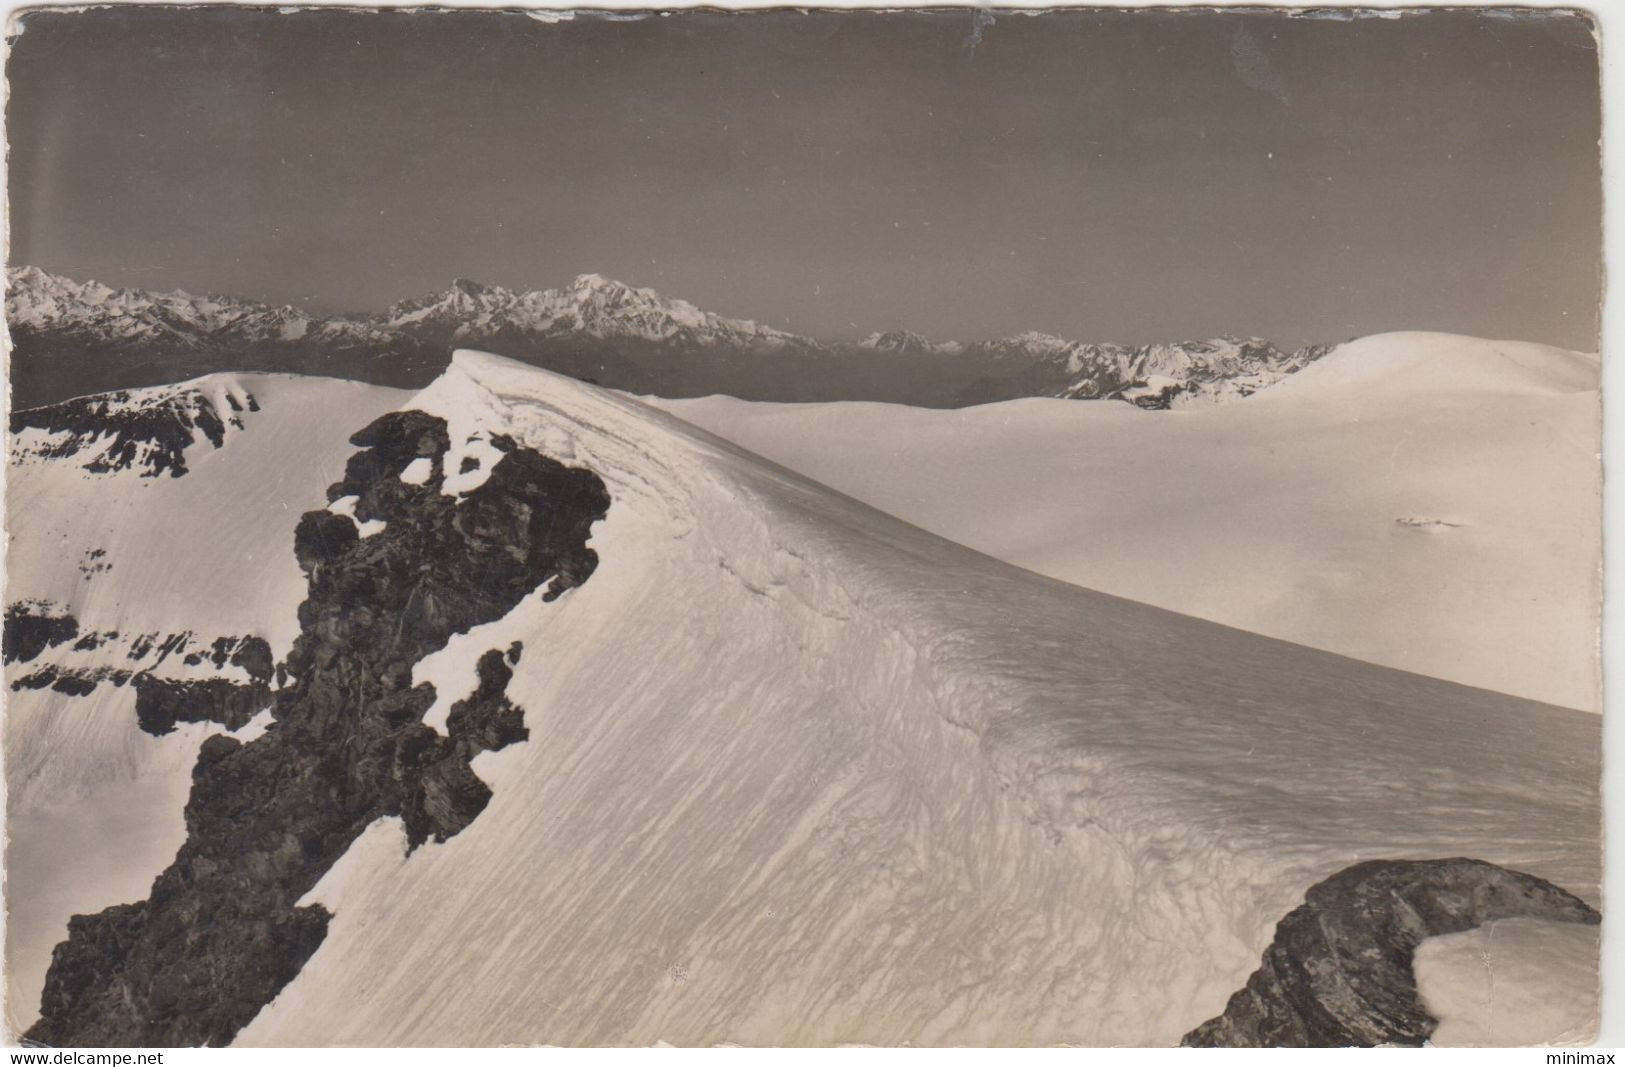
(31, 628)
(160, 703)
(1339, 971)
(222, 932)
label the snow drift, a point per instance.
(798, 772)
(1424, 501)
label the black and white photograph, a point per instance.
(929, 527)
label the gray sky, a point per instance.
(1111, 176)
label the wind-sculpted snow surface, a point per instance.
(222, 930)
(792, 771)
(1340, 970)
(1423, 501)
(799, 773)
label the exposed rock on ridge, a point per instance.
(222, 930)
(1339, 971)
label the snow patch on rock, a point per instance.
(452, 669)
(418, 471)
(254, 727)
(345, 505)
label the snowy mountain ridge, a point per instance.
(592, 327)
(591, 304)
(38, 300)
(149, 430)
(1191, 374)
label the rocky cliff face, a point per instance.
(222, 930)
(1339, 971)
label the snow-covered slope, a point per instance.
(799, 772)
(151, 571)
(1377, 370)
(1419, 500)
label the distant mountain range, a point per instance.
(71, 338)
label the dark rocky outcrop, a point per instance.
(74, 683)
(71, 681)
(160, 703)
(40, 679)
(1339, 971)
(165, 645)
(31, 628)
(94, 640)
(221, 931)
(252, 654)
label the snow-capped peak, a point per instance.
(597, 291)
(608, 308)
(469, 287)
(1039, 341)
(599, 283)
(592, 304)
(901, 341)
